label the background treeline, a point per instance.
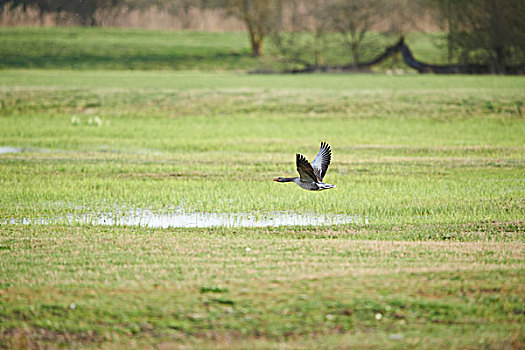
(310, 32)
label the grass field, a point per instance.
(431, 167)
(118, 48)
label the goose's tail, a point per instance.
(323, 186)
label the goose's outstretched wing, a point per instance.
(322, 160)
(305, 170)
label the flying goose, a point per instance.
(311, 175)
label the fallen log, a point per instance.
(423, 67)
(362, 66)
(413, 63)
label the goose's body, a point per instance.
(311, 175)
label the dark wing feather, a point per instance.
(322, 160)
(305, 170)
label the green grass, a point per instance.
(451, 153)
(115, 48)
(435, 164)
(119, 48)
(93, 285)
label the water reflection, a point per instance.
(146, 218)
(9, 149)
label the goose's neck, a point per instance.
(287, 179)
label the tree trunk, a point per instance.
(497, 36)
(41, 16)
(257, 44)
(355, 53)
(500, 59)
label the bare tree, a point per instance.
(353, 19)
(260, 17)
(401, 16)
(304, 39)
(485, 31)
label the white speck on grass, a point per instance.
(248, 249)
(95, 121)
(395, 336)
(72, 306)
(379, 316)
(75, 120)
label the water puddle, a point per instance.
(9, 149)
(146, 218)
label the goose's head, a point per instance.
(283, 179)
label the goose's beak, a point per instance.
(275, 179)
